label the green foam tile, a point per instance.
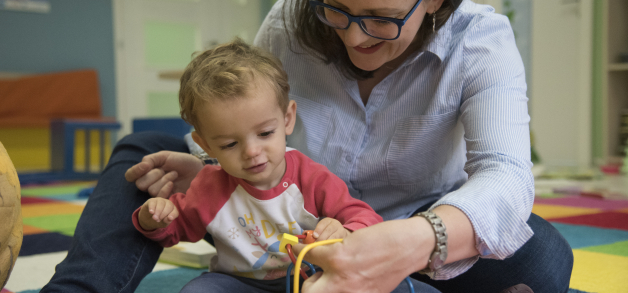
(65, 224)
(618, 248)
(54, 190)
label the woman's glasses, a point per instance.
(384, 28)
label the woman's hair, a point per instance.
(323, 42)
(227, 72)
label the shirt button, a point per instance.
(349, 158)
(285, 184)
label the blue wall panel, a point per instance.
(75, 34)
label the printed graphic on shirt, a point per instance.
(247, 232)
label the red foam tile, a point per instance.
(585, 202)
(31, 200)
(612, 220)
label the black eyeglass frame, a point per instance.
(358, 19)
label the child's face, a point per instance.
(248, 135)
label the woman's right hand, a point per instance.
(164, 173)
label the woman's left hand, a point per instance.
(373, 259)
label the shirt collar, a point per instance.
(439, 45)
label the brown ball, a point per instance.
(10, 216)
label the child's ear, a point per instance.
(202, 143)
(291, 117)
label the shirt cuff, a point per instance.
(499, 230)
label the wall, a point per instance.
(561, 62)
(74, 34)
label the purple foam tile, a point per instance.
(585, 202)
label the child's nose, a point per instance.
(252, 150)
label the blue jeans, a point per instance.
(109, 255)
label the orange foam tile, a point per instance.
(30, 230)
(623, 210)
(49, 209)
(547, 211)
(599, 272)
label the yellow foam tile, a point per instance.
(599, 272)
(547, 211)
(49, 209)
(30, 230)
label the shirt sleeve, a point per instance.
(332, 199)
(499, 194)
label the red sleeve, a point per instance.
(208, 192)
(326, 195)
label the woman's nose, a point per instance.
(354, 36)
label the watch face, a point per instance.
(437, 261)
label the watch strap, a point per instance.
(439, 254)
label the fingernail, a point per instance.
(315, 235)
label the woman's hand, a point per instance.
(164, 173)
(373, 259)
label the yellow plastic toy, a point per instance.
(11, 215)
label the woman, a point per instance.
(417, 106)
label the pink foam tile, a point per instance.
(585, 202)
(26, 200)
(4, 290)
(611, 220)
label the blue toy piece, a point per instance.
(62, 133)
(173, 126)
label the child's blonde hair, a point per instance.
(227, 71)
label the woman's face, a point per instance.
(368, 53)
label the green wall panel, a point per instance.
(163, 104)
(169, 45)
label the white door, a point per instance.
(153, 37)
(561, 81)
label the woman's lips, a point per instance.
(369, 50)
(257, 168)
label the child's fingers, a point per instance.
(151, 204)
(325, 228)
(168, 207)
(159, 209)
(173, 215)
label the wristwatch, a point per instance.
(207, 160)
(439, 255)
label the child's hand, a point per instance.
(157, 213)
(329, 228)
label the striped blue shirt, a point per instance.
(449, 125)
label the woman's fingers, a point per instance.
(137, 171)
(163, 179)
(147, 180)
(166, 190)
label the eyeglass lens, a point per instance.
(378, 28)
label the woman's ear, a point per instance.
(434, 5)
(202, 143)
(291, 117)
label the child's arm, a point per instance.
(157, 213)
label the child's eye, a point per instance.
(227, 146)
(267, 133)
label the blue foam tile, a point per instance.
(44, 243)
(582, 236)
(168, 280)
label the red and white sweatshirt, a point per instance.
(246, 222)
